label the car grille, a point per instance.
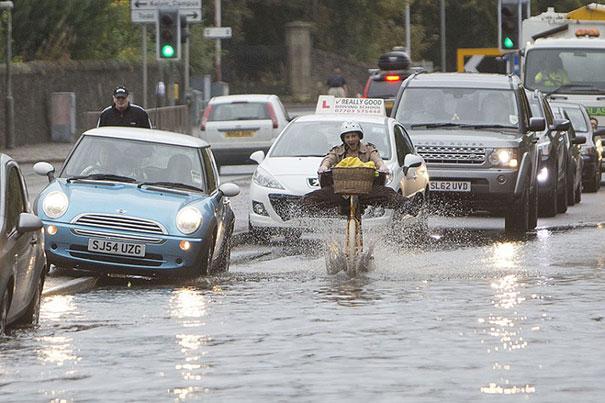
(285, 206)
(452, 154)
(119, 222)
(150, 259)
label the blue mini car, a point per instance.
(137, 202)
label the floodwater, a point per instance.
(478, 319)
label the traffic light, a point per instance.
(168, 35)
(510, 19)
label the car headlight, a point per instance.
(503, 157)
(55, 204)
(188, 220)
(264, 178)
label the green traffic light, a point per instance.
(167, 51)
(508, 43)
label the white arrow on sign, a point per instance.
(471, 65)
(155, 4)
(217, 33)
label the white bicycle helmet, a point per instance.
(348, 127)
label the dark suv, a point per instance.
(384, 82)
(476, 133)
(552, 156)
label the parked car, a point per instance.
(552, 157)
(477, 135)
(592, 150)
(137, 202)
(289, 171)
(22, 261)
(237, 125)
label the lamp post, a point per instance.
(10, 106)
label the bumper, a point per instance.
(491, 189)
(69, 249)
(280, 213)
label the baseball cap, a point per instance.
(120, 91)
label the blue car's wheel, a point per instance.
(207, 258)
(222, 263)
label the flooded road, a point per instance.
(455, 323)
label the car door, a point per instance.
(20, 245)
(221, 204)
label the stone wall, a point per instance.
(91, 81)
(355, 74)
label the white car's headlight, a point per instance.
(55, 204)
(503, 157)
(188, 220)
(264, 178)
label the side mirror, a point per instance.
(578, 140)
(536, 124)
(229, 189)
(411, 161)
(28, 223)
(599, 132)
(45, 169)
(561, 124)
(258, 156)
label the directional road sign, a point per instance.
(145, 11)
(217, 33)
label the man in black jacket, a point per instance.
(123, 113)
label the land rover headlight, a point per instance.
(188, 220)
(503, 157)
(55, 204)
(265, 179)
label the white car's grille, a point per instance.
(452, 154)
(120, 222)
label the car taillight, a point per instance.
(205, 117)
(271, 113)
(392, 78)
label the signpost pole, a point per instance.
(217, 23)
(10, 102)
(144, 30)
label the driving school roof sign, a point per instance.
(365, 106)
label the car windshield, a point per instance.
(305, 139)
(383, 89)
(239, 111)
(139, 160)
(576, 117)
(458, 107)
(577, 70)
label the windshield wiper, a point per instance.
(434, 125)
(585, 87)
(103, 177)
(176, 185)
(486, 126)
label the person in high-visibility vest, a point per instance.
(552, 75)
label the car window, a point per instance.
(524, 103)
(209, 168)
(239, 111)
(471, 106)
(403, 147)
(383, 89)
(306, 139)
(15, 203)
(141, 160)
(577, 119)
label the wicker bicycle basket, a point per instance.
(353, 181)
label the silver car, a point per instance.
(22, 260)
(237, 125)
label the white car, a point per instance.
(237, 125)
(289, 170)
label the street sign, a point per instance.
(217, 33)
(145, 11)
